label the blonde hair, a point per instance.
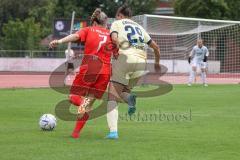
(99, 17)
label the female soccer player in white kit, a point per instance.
(198, 58)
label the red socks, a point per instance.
(79, 125)
(75, 99)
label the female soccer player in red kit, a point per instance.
(95, 70)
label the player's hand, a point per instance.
(54, 43)
(205, 59)
(157, 67)
(189, 60)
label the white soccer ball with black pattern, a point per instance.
(47, 122)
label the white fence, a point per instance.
(50, 64)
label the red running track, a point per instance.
(36, 80)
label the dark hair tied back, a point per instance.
(125, 10)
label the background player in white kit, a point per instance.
(198, 58)
(70, 55)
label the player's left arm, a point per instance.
(151, 43)
(192, 53)
(156, 50)
(206, 55)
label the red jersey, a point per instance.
(96, 40)
(95, 70)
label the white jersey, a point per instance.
(130, 31)
(69, 56)
(198, 54)
(130, 34)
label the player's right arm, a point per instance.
(114, 30)
(69, 38)
(114, 33)
(192, 53)
(114, 37)
(78, 36)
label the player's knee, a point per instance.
(114, 92)
(112, 97)
(194, 69)
(127, 89)
(203, 70)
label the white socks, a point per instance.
(192, 76)
(203, 76)
(112, 116)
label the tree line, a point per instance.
(23, 23)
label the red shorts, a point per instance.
(90, 82)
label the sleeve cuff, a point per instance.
(149, 42)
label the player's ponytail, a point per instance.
(125, 10)
(99, 17)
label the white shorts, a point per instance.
(127, 68)
(200, 64)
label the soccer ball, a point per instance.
(47, 122)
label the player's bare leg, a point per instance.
(192, 75)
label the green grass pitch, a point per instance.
(207, 127)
